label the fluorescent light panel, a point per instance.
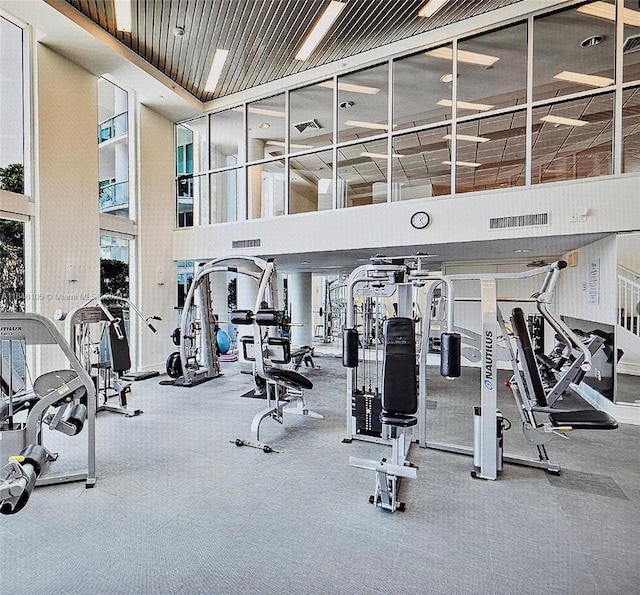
(481, 107)
(123, 15)
(372, 125)
(469, 137)
(266, 112)
(277, 143)
(379, 155)
(464, 56)
(463, 163)
(603, 10)
(431, 7)
(564, 121)
(320, 29)
(351, 88)
(584, 79)
(217, 65)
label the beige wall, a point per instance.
(156, 224)
(66, 189)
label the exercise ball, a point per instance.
(224, 342)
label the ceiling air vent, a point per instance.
(519, 221)
(309, 125)
(631, 44)
(245, 243)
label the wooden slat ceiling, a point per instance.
(262, 36)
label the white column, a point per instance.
(301, 308)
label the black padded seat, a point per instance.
(288, 378)
(398, 419)
(585, 419)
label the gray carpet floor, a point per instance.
(178, 509)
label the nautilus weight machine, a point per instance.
(63, 400)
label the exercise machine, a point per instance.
(98, 336)
(269, 353)
(64, 400)
(561, 400)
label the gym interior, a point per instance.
(319, 297)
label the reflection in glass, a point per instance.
(362, 174)
(362, 103)
(311, 117)
(491, 153)
(224, 195)
(418, 171)
(226, 134)
(265, 126)
(11, 107)
(492, 68)
(586, 61)
(311, 183)
(419, 83)
(631, 130)
(572, 139)
(266, 188)
(631, 40)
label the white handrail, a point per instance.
(629, 305)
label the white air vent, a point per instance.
(309, 125)
(245, 243)
(519, 221)
(631, 44)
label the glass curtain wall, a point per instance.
(528, 103)
(11, 108)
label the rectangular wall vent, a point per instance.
(245, 243)
(519, 221)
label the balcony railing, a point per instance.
(113, 127)
(114, 196)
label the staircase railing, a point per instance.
(629, 301)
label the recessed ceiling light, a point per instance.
(277, 143)
(481, 107)
(178, 31)
(521, 251)
(584, 79)
(217, 65)
(346, 105)
(379, 155)
(563, 121)
(463, 163)
(446, 53)
(446, 78)
(304, 262)
(264, 125)
(431, 7)
(320, 29)
(351, 88)
(123, 15)
(372, 125)
(469, 137)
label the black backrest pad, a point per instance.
(120, 356)
(399, 380)
(529, 359)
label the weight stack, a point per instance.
(366, 408)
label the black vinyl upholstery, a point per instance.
(288, 378)
(399, 379)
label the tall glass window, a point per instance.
(422, 89)
(362, 174)
(421, 168)
(226, 187)
(573, 50)
(266, 189)
(362, 103)
(114, 265)
(11, 108)
(265, 128)
(113, 144)
(192, 156)
(573, 139)
(184, 171)
(311, 117)
(631, 42)
(311, 182)
(492, 69)
(12, 266)
(226, 134)
(631, 130)
(491, 152)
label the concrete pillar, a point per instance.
(301, 308)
